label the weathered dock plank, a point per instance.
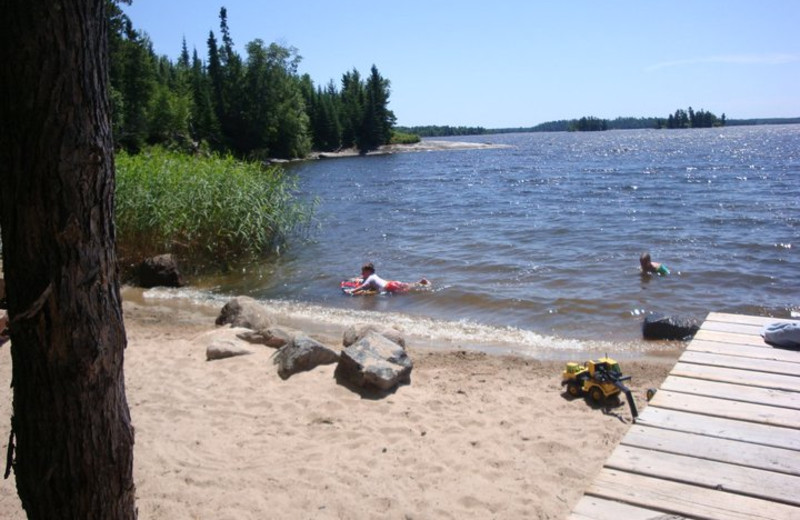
(743, 351)
(723, 428)
(744, 319)
(729, 337)
(727, 409)
(790, 368)
(758, 483)
(741, 453)
(740, 377)
(685, 499)
(733, 392)
(595, 508)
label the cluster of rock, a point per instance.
(373, 358)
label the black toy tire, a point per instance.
(597, 395)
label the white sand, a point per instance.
(472, 436)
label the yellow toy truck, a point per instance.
(599, 379)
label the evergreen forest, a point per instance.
(256, 106)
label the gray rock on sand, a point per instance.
(246, 312)
(355, 333)
(374, 361)
(302, 354)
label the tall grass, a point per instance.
(206, 210)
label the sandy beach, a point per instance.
(427, 145)
(472, 436)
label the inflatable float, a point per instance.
(348, 285)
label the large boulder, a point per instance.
(374, 361)
(302, 354)
(160, 271)
(355, 333)
(661, 326)
(245, 312)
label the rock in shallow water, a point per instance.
(661, 326)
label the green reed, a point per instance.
(206, 210)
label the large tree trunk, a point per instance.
(74, 439)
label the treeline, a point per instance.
(680, 119)
(442, 131)
(256, 106)
(588, 124)
(764, 121)
(691, 119)
(619, 123)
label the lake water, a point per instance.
(537, 243)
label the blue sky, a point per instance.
(503, 64)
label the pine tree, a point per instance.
(205, 125)
(184, 59)
(137, 88)
(352, 107)
(376, 119)
(216, 78)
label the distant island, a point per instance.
(592, 124)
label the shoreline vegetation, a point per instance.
(208, 210)
(213, 211)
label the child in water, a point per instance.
(648, 266)
(373, 282)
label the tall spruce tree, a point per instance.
(376, 118)
(352, 106)
(137, 83)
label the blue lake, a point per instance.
(537, 242)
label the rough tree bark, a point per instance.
(71, 424)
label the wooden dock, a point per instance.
(719, 440)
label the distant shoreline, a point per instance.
(422, 146)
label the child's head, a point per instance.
(367, 269)
(644, 260)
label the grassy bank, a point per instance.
(206, 210)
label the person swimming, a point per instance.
(373, 282)
(648, 266)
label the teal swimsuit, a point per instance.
(662, 269)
